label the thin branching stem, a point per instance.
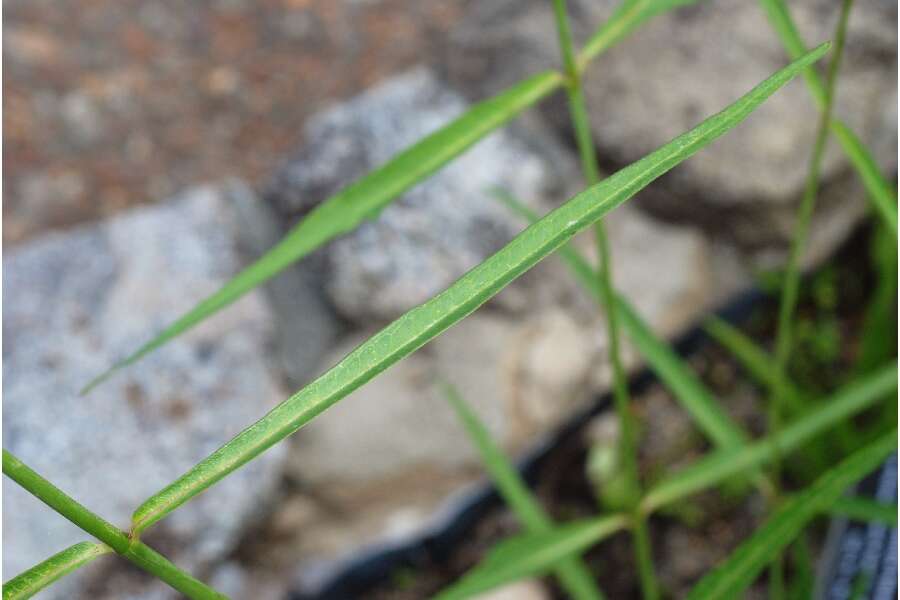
(138, 553)
(791, 285)
(591, 173)
(644, 552)
(590, 169)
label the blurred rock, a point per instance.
(685, 65)
(439, 229)
(75, 302)
(527, 589)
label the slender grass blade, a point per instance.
(573, 575)
(881, 193)
(532, 554)
(722, 464)
(30, 582)
(864, 509)
(135, 551)
(743, 566)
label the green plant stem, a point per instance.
(881, 194)
(591, 172)
(573, 574)
(791, 285)
(644, 554)
(137, 552)
(590, 169)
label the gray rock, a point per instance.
(75, 302)
(439, 229)
(683, 66)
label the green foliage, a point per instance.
(546, 547)
(532, 554)
(742, 567)
(574, 576)
(137, 552)
(30, 582)
(865, 509)
(722, 464)
(881, 193)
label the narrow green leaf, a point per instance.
(881, 193)
(722, 464)
(357, 202)
(532, 554)
(803, 579)
(690, 392)
(864, 509)
(758, 363)
(572, 573)
(30, 582)
(137, 552)
(423, 323)
(743, 566)
(367, 196)
(761, 366)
